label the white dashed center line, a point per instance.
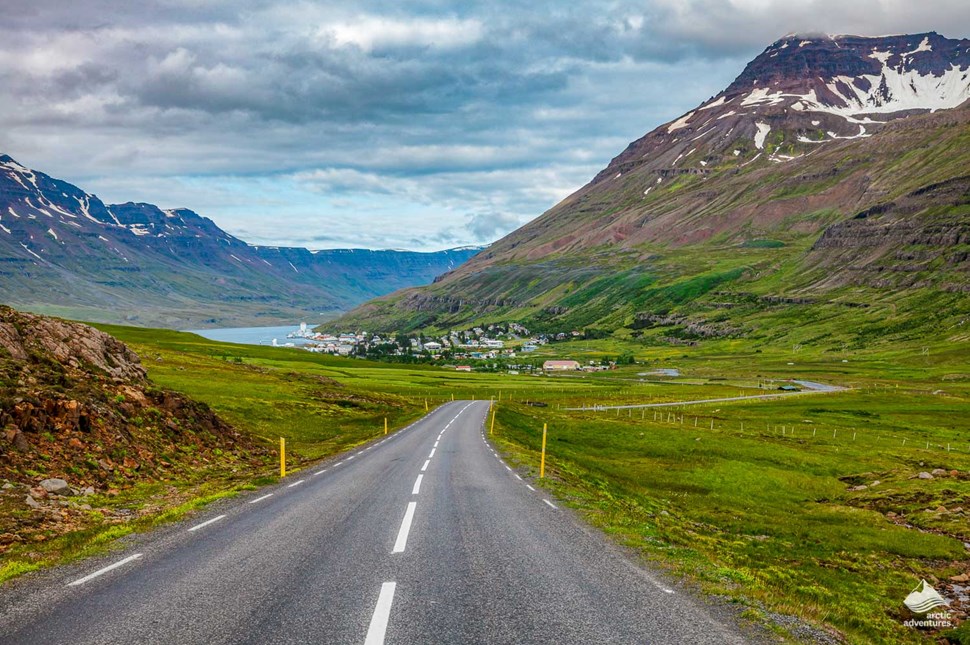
(425, 466)
(206, 523)
(432, 453)
(417, 485)
(402, 535)
(92, 576)
(382, 613)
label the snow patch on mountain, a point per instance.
(680, 123)
(764, 96)
(924, 46)
(882, 57)
(761, 135)
(892, 91)
(713, 104)
(31, 252)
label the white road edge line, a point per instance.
(319, 472)
(206, 523)
(425, 466)
(382, 613)
(402, 535)
(550, 503)
(296, 483)
(529, 486)
(417, 485)
(259, 499)
(92, 576)
(517, 476)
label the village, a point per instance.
(494, 347)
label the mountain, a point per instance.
(831, 174)
(65, 251)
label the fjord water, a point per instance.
(251, 335)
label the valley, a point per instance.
(805, 509)
(741, 352)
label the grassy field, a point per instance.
(807, 506)
(764, 508)
(756, 501)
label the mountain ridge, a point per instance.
(736, 194)
(64, 251)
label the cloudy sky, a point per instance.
(420, 125)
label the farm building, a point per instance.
(560, 366)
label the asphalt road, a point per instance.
(811, 387)
(424, 537)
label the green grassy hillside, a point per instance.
(843, 240)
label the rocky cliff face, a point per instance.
(906, 243)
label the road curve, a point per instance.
(811, 388)
(425, 536)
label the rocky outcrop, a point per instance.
(75, 404)
(424, 302)
(895, 244)
(687, 328)
(23, 335)
(80, 420)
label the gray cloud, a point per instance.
(430, 122)
(488, 226)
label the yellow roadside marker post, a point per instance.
(491, 429)
(426, 405)
(282, 457)
(385, 425)
(452, 397)
(542, 461)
